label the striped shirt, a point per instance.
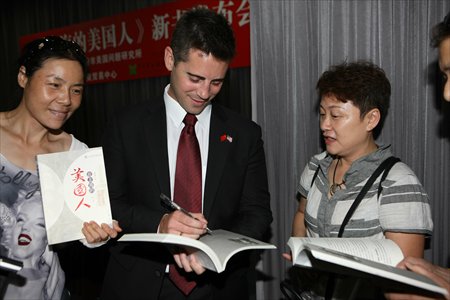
(403, 205)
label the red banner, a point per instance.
(131, 45)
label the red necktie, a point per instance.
(188, 187)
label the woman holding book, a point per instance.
(354, 101)
(52, 72)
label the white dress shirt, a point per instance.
(174, 117)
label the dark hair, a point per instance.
(362, 82)
(440, 31)
(36, 52)
(205, 30)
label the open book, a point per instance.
(378, 257)
(74, 190)
(213, 250)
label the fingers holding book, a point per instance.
(188, 262)
(96, 233)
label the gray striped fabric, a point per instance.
(403, 205)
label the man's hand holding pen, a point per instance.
(179, 223)
(192, 225)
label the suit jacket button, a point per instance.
(157, 273)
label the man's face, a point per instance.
(444, 65)
(194, 83)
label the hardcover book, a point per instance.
(74, 190)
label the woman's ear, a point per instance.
(372, 118)
(169, 60)
(22, 77)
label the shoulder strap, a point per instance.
(386, 165)
(392, 161)
(314, 176)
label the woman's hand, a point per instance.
(95, 233)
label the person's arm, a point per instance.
(298, 225)
(404, 210)
(411, 244)
(419, 265)
(254, 215)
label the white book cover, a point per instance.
(74, 190)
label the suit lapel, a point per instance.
(156, 136)
(219, 147)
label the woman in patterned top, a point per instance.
(52, 73)
(354, 101)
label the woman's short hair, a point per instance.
(36, 52)
(362, 82)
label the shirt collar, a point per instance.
(361, 168)
(176, 113)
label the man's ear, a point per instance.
(22, 77)
(169, 60)
(372, 118)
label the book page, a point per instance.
(225, 244)
(214, 250)
(375, 268)
(74, 190)
(206, 255)
(380, 250)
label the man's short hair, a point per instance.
(440, 31)
(205, 30)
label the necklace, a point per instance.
(335, 185)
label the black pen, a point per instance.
(172, 205)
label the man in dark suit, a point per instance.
(140, 149)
